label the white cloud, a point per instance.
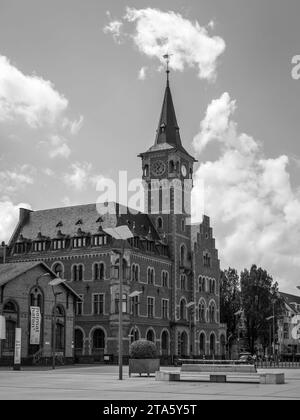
(254, 210)
(9, 216)
(28, 97)
(79, 175)
(157, 32)
(73, 126)
(142, 73)
(16, 179)
(59, 147)
(114, 28)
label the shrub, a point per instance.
(142, 349)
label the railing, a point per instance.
(276, 364)
(212, 362)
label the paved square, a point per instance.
(101, 383)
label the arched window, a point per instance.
(165, 278)
(206, 259)
(159, 223)
(58, 269)
(182, 344)
(212, 312)
(202, 343)
(183, 284)
(77, 272)
(212, 344)
(78, 339)
(201, 281)
(135, 272)
(60, 329)
(182, 255)
(134, 334)
(11, 314)
(150, 335)
(150, 275)
(202, 311)
(165, 343)
(98, 339)
(171, 166)
(182, 309)
(99, 271)
(182, 225)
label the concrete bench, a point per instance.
(218, 368)
(168, 376)
(272, 378)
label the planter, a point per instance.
(143, 366)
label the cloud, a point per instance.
(114, 28)
(73, 126)
(28, 97)
(79, 175)
(16, 179)
(254, 210)
(59, 147)
(9, 216)
(142, 73)
(155, 33)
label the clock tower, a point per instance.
(167, 166)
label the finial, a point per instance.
(167, 58)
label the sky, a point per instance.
(81, 87)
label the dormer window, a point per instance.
(20, 248)
(39, 246)
(58, 244)
(99, 220)
(59, 224)
(100, 240)
(79, 222)
(79, 242)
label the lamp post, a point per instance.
(239, 312)
(53, 283)
(121, 233)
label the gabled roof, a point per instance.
(291, 299)
(10, 271)
(45, 221)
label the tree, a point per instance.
(230, 299)
(259, 295)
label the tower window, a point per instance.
(159, 223)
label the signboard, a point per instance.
(296, 328)
(2, 328)
(35, 325)
(17, 356)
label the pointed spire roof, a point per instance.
(168, 130)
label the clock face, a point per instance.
(183, 170)
(158, 168)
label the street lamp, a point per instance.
(237, 313)
(122, 233)
(53, 283)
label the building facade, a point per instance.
(288, 346)
(24, 286)
(172, 271)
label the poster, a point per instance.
(35, 325)
(17, 356)
(2, 328)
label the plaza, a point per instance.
(101, 383)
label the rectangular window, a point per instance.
(100, 240)
(98, 304)
(79, 306)
(165, 308)
(79, 242)
(124, 303)
(135, 306)
(150, 307)
(165, 279)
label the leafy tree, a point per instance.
(259, 295)
(230, 299)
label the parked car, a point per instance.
(246, 357)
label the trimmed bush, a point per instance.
(142, 349)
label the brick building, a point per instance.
(26, 285)
(171, 287)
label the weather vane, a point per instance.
(167, 58)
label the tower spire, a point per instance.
(167, 58)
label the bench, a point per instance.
(220, 373)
